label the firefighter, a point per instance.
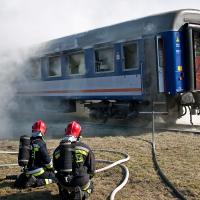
(40, 167)
(74, 162)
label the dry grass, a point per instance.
(178, 155)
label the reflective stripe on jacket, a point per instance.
(39, 159)
(83, 160)
(35, 172)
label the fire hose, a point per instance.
(111, 164)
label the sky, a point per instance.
(27, 22)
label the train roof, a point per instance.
(130, 30)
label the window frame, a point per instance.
(48, 68)
(66, 57)
(123, 57)
(113, 59)
(39, 77)
(160, 68)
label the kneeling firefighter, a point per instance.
(74, 162)
(34, 158)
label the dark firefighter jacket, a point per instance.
(39, 159)
(83, 160)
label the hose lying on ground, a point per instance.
(164, 177)
(126, 176)
(8, 165)
(8, 152)
(111, 164)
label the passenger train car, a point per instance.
(120, 70)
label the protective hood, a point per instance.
(69, 138)
(37, 134)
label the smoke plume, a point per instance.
(24, 23)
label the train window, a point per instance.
(130, 56)
(35, 67)
(54, 66)
(76, 63)
(104, 60)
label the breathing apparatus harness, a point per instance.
(23, 158)
(24, 152)
(66, 171)
(66, 149)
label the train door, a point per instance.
(196, 39)
(192, 57)
(160, 63)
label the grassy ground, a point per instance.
(178, 155)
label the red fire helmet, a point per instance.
(39, 126)
(73, 129)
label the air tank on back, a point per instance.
(66, 157)
(24, 151)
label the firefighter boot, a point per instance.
(31, 182)
(78, 194)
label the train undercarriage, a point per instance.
(103, 110)
(170, 108)
(182, 104)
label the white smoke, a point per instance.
(24, 23)
(11, 65)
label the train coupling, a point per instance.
(190, 101)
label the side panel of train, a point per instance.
(176, 79)
(122, 78)
(109, 72)
(104, 78)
